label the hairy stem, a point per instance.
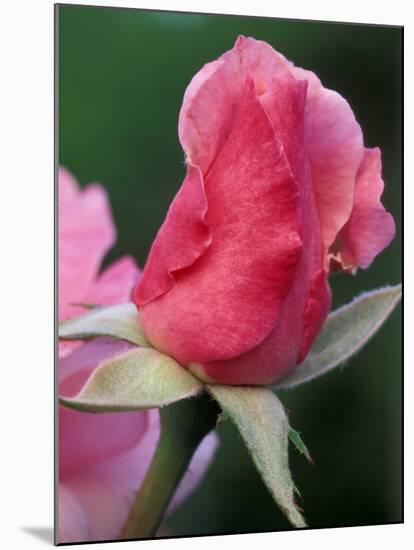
(183, 426)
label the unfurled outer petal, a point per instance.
(213, 96)
(182, 239)
(370, 228)
(334, 139)
(335, 148)
(229, 300)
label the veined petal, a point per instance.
(370, 228)
(182, 239)
(284, 103)
(229, 301)
(335, 148)
(316, 310)
(212, 98)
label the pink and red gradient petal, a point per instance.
(195, 319)
(370, 227)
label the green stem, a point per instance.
(183, 426)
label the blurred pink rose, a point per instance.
(102, 457)
(279, 186)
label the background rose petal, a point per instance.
(72, 519)
(102, 457)
(114, 284)
(107, 491)
(86, 233)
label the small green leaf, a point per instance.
(120, 321)
(262, 422)
(138, 379)
(345, 332)
(297, 441)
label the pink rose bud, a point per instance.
(279, 188)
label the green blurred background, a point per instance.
(122, 75)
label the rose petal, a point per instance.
(86, 439)
(68, 188)
(370, 228)
(107, 491)
(86, 232)
(316, 310)
(115, 284)
(213, 95)
(208, 315)
(66, 347)
(75, 369)
(335, 148)
(72, 519)
(303, 313)
(285, 104)
(182, 239)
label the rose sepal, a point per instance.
(262, 422)
(138, 379)
(120, 321)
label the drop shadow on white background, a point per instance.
(44, 534)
